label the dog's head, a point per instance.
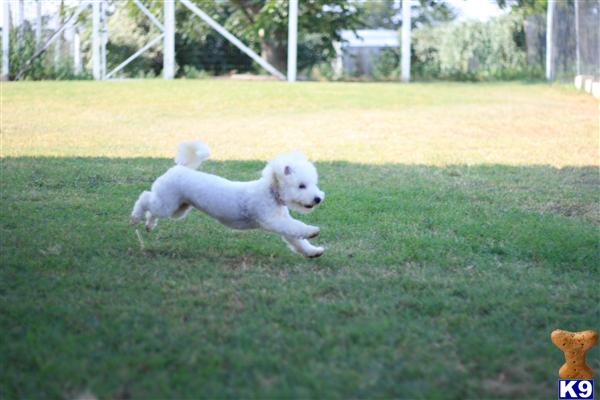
(295, 180)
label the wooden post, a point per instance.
(169, 40)
(95, 40)
(292, 41)
(406, 40)
(549, 22)
(5, 40)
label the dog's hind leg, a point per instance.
(179, 213)
(151, 221)
(303, 247)
(182, 211)
(155, 206)
(163, 204)
(140, 207)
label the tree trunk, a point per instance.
(275, 54)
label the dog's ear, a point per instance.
(287, 170)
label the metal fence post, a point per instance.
(5, 40)
(292, 41)
(406, 40)
(549, 18)
(96, 40)
(169, 40)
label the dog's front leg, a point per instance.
(304, 247)
(289, 227)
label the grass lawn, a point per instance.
(461, 226)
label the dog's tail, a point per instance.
(191, 154)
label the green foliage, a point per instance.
(319, 24)
(425, 63)
(387, 13)
(380, 14)
(190, 72)
(128, 33)
(214, 55)
(387, 65)
(473, 50)
(260, 24)
(19, 54)
(322, 72)
(526, 7)
(314, 49)
(44, 66)
(432, 12)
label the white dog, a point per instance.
(288, 182)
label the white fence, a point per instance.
(14, 15)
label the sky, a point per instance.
(480, 10)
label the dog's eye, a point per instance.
(302, 186)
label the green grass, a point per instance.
(439, 281)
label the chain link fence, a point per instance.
(575, 39)
(587, 51)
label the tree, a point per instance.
(387, 13)
(527, 7)
(263, 25)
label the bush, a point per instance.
(387, 65)
(190, 72)
(44, 66)
(473, 50)
(126, 36)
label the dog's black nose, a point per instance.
(317, 200)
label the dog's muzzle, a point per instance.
(316, 201)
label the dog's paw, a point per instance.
(134, 220)
(313, 232)
(317, 252)
(149, 225)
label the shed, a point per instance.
(358, 52)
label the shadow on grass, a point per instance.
(436, 282)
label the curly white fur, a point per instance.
(288, 182)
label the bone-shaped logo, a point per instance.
(574, 345)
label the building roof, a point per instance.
(370, 38)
